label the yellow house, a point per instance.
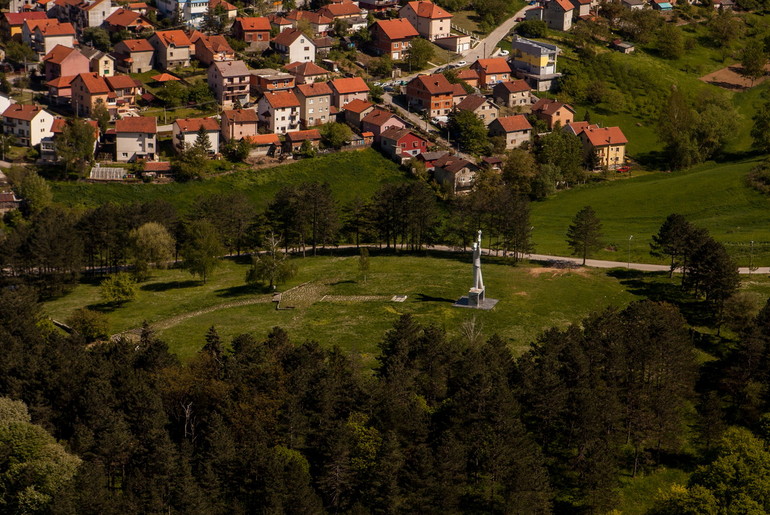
(609, 143)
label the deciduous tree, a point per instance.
(118, 288)
(202, 249)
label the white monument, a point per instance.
(476, 297)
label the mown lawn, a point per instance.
(350, 174)
(531, 299)
(712, 195)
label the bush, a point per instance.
(759, 178)
(118, 288)
(532, 29)
(91, 325)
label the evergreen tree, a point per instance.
(585, 233)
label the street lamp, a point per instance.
(628, 265)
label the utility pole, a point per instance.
(751, 258)
(628, 264)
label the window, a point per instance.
(414, 144)
(125, 154)
(311, 101)
(259, 37)
(310, 111)
(150, 145)
(307, 49)
(396, 45)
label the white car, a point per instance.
(462, 63)
(504, 52)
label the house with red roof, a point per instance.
(481, 106)
(431, 21)
(48, 152)
(229, 9)
(82, 13)
(62, 61)
(44, 35)
(239, 123)
(314, 103)
(268, 79)
(515, 93)
(319, 24)
(134, 56)
(582, 9)
(604, 146)
(88, 90)
(124, 91)
(341, 10)
(455, 174)
(11, 23)
(380, 120)
(294, 140)
(307, 72)
(432, 93)
(125, 19)
(29, 124)
(491, 71)
(210, 49)
(515, 129)
(60, 90)
(557, 14)
(279, 23)
(346, 90)
(469, 76)
(100, 62)
(172, 49)
(185, 133)
(255, 31)
(279, 111)
(402, 144)
(378, 5)
(356, 111)
(264, 145)
(392, 37)
(295, 46)
(230, 82)
(136, 138)
(553, 112)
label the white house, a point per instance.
(190, 12)
(136, 138)
(280, 111)
(28, 123)
(295, 46)
(186, 132)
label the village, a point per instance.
(288, 109)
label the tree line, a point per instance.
(441, 424)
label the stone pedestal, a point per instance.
(476, 297)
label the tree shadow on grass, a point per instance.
(429, 298)
(105, 307)
(241, 290)
(171, 285)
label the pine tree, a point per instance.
(584, 235)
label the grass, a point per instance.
(350, 174)
(531, 300)
(467, 20)
(637, 495)
(712, 195)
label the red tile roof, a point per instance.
(59, 123)
(493, 65)
(357, 106)
(471, 103)
(307, 69)
(601, 136)
(22, 111)
(399, 28)
(125, 18)
(378, 117)
(458, 90)
(514, 86)
(61, 82)
(194, 124)
(94, 83)
(314, 90)
(213, 4)
(467, 73)
(138, 45)
(173, 37)
(15, 19)
(157, 166)
(310, 134)
(566, 5)
(241, 115)
(289, 36)
(349, 85)
(578, 127)
(517, 122)
(164, 77)
(428, 10)
(143, 124)
(58, 54)
(341, 9)
(549, 106)
(50, 27)
(435, 84)
(264, 139)
(255, 23)
(121, 82)
(281, 99)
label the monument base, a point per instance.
(467, 302)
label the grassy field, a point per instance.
(638, 495)
(713, 196)
(531, 299)
(349, 174)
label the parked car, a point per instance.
(504, 52)
(462, 63)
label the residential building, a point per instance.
(125, 19)
(515, 129)
(392, 37)
(433, 93)
(88, 90)
(534, 62)
(8, 201)
(60, 90)
(624, 47)
(48, 152)
(346, 90)
(314, 103)
(279, 111)
(457, 43)
(172, 49)
(402, 144)
(458, 93)
(134, 56)
(264, 145)
(557, 14)
(123, 94)
(255, 31)
(82, 14)
(99, 62)
(324, 45)
(481, 106)
(295, 140)
(62, 60)
(11, 23)
(229, 9)
(455, 174)
(431, 21)
(553, 112)
(210, 49)
(378, 5)
(430, 158)
(135, 138)
(582, 9)
(230, 82)
(279, 23)
(608, 145)
(239, 123)
(491, 71)
(634, 5)
(44, 35)
(29, 124)
(307, 72)
(341, 11)
(515, 93)
(189, 12)
(469, 76)
(185, 133)
(295, 46)
(267, 79)
(319, 24)
(378, 121)
(356, 111)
